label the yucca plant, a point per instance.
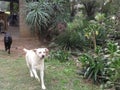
(38, 14)
(44, 15)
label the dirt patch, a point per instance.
(18, 45)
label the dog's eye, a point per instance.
(39, 52)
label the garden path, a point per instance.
(18, 43)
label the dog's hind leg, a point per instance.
(29, 67)
(35, 74)
(31, 73)
(9, 47)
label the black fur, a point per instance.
(7, 42)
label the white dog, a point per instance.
(35, 61)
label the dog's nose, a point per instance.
(43, 56)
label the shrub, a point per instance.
(60, 55)
(113, 56)
(93, 66)
(70, 40)
(73, 37)
(103, 66)
(95, 33)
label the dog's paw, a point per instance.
(43, 87)
(38, 79)
(31, 75)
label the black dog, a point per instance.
(7, 42)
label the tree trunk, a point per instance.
(24, 28)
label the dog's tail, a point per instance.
(26, 50)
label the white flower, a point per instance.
(108, 63)
(113, 17)
(105, 49)
(118, 51)
(116, 43)
(118, 47)
(107, 1)
(112, 69)
(79, 6)
(106, 56)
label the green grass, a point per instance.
(14, 75)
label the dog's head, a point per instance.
(42, 52)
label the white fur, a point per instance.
(35, 61)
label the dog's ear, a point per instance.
(34, 50)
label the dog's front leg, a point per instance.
(5, 46)
(8, 51)
(42, 79)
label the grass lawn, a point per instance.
(14, 75)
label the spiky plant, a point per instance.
(38, 14)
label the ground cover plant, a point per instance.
(103, 65)
(14, 75)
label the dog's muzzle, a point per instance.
(43, 56)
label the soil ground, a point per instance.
(18, 42)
